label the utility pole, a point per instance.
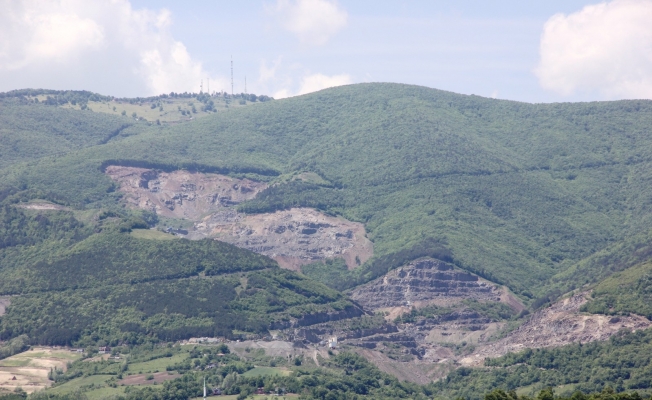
(201, 86)
(231, 76)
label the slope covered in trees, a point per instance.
(31, 131)
(92, 282)
(518, 193)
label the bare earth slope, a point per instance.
(558, 325)
(434, 339)
(292, 237)
(423, 282)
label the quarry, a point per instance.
(293, 237)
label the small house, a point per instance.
(104, 350)
(332, 342)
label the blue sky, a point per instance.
(536, 51)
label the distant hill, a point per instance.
(515, 192)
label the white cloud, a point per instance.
(281, 94)
(315, 82)
(604, 48)
(312, 21)
(310, 83)
(268, 72)
(91, 41)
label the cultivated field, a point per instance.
(30, 369)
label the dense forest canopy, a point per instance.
(519, 193)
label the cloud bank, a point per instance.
(313, 22)
(315, 82)
(80, 43)
(604, 48)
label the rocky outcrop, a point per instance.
(422, 281)
(558, 325)
(292, 237)
(182, 194)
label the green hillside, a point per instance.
(83, 283)
(31, 131)
(518, 193)
(624, 293)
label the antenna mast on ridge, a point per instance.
(201, 86)
(245, 84)
(208, 85)
(231, 75)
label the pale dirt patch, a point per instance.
(4, 303)
(278, 348)
(414, 371)
(46, 206)
(182, 194)
(101, 357)
(558, 325)
(508, 298)
(141, 379)
(274, 348)
(34, 375)
(450, 333)
(292, 237)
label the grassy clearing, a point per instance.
(151, 234)
(80, 383)
(14, 363)
(104, 393)
(40, 355)
(156, 365)
(165, 110)
(267, 371)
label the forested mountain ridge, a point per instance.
(541, 198)
(517, 192)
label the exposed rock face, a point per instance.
(182, 194)
(292, 237)
(558, 325)
(421, 282)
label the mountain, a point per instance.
(518, 193)
(420, 226)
